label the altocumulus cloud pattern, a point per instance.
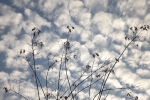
(99, 27)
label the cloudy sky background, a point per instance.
(100, 26)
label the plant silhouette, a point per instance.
(67, 88)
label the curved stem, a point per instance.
(18, 94)
(36, 77)
(33, 57)
(59, 78)
(66, 50)
(91, 79)
(88, 86)
(46, 79)
(101, 90)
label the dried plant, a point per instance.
(66, 88)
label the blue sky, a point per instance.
(100, 26)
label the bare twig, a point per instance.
(59, 78)
(18, 94)
(116, 61)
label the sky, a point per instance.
(100, 26)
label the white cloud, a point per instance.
(4, 83)
(85, 36)
(20, 4)
(75, 4)
(97, 29)
(147, 19)
(143, 72)
(133, 22)
(85, 20)
(130, 6)
(36, 19)
(104, 23)
(144, 58)
(48, 6)
(125, 75)
(84, 54)
(112, 97)
(96, 6)
(140, 6)
(17, 75)
(80, 14)
(10, 18)
(63, 19)
(100, 40)
(2, 47)
(118, 24)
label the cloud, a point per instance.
(20, 4)
(17, 75)
(104, 23)
(128, 7)
(48, 6)
(63, 20)
(36, 19)
(10, 18)
(96, 6)
(4, 82)
(143, 72)
(100, 27)
(118, 24)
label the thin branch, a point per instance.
(35, 67)
(106, 95)
(18, 94)
(66, 50)
(36, 77)
(112, 89)
(88, 85)
(91, 78)
(47, 77)
(74, 83)
(101, 84)
(59, 78)
(118, 88)
(101, 90)
(88, 77)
